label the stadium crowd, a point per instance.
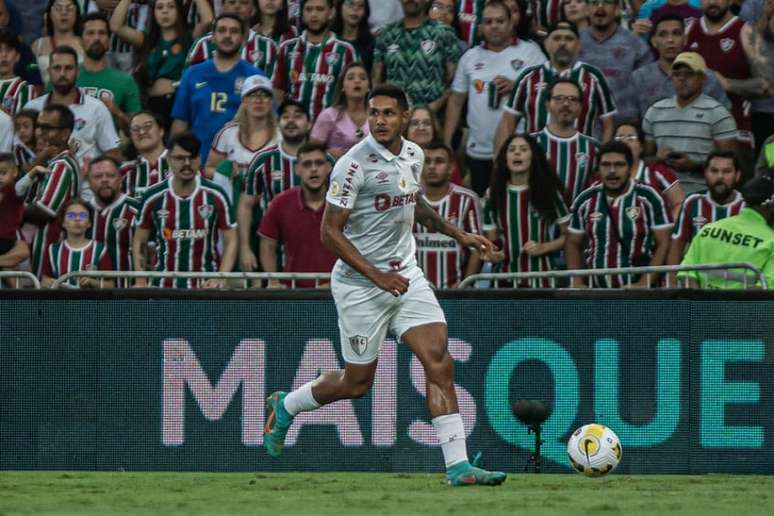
(198, 135)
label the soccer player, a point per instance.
(57, 173)
(15, 92)
(188, 215)
(625, 223)
(114, 212)
(484, 77)
(151, 165)
(444, 261)
(373, 199)
(721, 199)
(294, 218)
(571, 153)
(210, 92)
(528, 99)
(525, 210)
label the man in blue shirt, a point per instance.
(209, 92)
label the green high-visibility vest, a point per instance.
(769, 150)
(746, 237)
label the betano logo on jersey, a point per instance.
(184, 234)
(384, 202)
(324, 78)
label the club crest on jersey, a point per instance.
(205, 210)
(8, 104)
(80, 123)
(582, 158)
(516, 64)
(256, 56)
(428, 46)
(633, 212)
(335, 188)
(359, 344)
(238, 84)
(119, 224)
(540, 86)
(595, 216)
(382, 178)
(332, 59)
(726, 44)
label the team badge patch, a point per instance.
(726, 44)
(359, 344)
(335, 188)
(332, 59)
(516, 64)
(119, 224)
(80, 123)
(205, 210)
(428, 46)
(633, 212)
(581, 158)
(238, 84)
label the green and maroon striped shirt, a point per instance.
(572, 159)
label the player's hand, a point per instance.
(642, 26)
(503, 84)
(663, 152)
(39, 171)
(247, 260)
(481, 245)
(85, 282)
(391, 282)
(533, 248)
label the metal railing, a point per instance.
(20, 275)
(231, 279)
(752, 278)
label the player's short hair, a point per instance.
(438, 145)
(7, 157)
(72, 202)
(105, 157)
(10, 39)
(392, 91)
(564, 80)
(186, 141)
(668, 17)
(729, 154)
(64, 50)
(66, 117)
(96, 16)
(615, 148)
(231, 16)
(309, 147)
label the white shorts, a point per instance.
(366, 313)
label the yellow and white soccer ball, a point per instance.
(594, 450)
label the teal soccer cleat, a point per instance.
(277, 424)
(463, 474)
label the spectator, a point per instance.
(94, 131)
(258, 50)
(345, 123)
(271, 172)
(443, 260)
(253, 129)
(746, 237)
(578, 12)
(520, 19)
(24, 139)
(736, 53)
(63, 25)
(616, 52)
(682, 130)
(765, 164)
(419, 55)
(26, 67)
(151, 165)
(114, 213)
(15, 92)
(384, 13)
(76, 252)
(654, 80)
(309, 66)
(570, 153)
(272, 21)
(652, 11)
(351, 24)
(545, 13)
(624, 223)
(524, 208)
(294, 219)
(720, 200)
(11, 204)
(116, 89)
(188, 215)
(656, 175)
(161, 49)
(468, 15)
(529, 96)
(485, 75)
(6, 132)
(56, 172)
(209, 94)
(122, 54)
(762, 20)
(423, 128)
(12, 259)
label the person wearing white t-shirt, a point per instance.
(485, 77)
(372, 202)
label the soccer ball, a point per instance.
(594, 450)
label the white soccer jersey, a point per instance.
(94, 132)
(475, 72)
(227, 142)
(6, 132)
(381, 191)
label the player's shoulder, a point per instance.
(647, 192)
(263, 155)
(589, 194)
(230, 129)
(461, 191)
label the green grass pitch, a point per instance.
(280, 494)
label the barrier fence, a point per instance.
(110, 382)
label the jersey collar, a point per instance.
(384, 152)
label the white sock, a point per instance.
(451, 435)
(301, 400)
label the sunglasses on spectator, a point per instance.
(75, 216)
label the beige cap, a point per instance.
(257, 82)
(692, 60)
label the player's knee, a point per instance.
(440, 369)
(358, 390)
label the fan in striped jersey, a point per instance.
(15, 92)
(259, 51)
(140, 174)
(62, 258)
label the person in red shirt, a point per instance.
(294, 218)
(11, 205)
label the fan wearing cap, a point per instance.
(747, 237)
(683, 129)
(252, 130)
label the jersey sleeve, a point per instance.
(723, 124)
(198, 52)
(6, 133)
(683, 226)
(48, 264)
(346, 180)
(516, 101)
(226, 215)
(472, 216)
(577, 217)
(281, 69)
(660, 214)
(450, 45)
(57, 188)
(603, 96)
(560, 207)
(489, 217)
(253, 183)
(220, 142)
(144, 218)
(132, 100)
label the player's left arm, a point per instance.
(761, 81)
(426, 216)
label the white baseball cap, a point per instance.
(257, 82)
